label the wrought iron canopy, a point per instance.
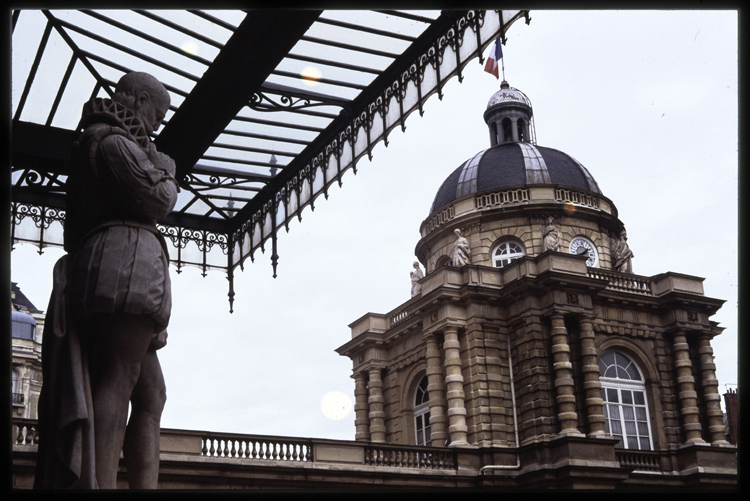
(269, 107)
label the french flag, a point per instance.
(494, 59)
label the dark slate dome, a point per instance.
(513, 164)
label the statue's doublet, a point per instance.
(115, 196)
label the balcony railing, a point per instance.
(24, 432)
(410, 457)
(256, 447)
(623, 281)
(639, 460)
(18, 399)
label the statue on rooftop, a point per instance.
(623, 254)
(461, 253)
(111, 300)
(551, 236)
(416, 276)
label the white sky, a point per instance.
(647, 101)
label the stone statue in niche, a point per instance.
(623, 254)
(111, 299)
(551, 236)
(416, 276)
(461, 253)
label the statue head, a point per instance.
(416, 264)
(457, 233)
(624, 235)
(145, 96)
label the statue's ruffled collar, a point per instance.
(105, 110)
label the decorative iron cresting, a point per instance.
(237, 210)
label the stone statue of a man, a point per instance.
(461, 253)
(623, 254)
(416, 276)
(111, 299)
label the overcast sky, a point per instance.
(647, 101)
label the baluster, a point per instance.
(255, 452)
(233, 452)
(213, 448)
(204, 450)
(295, 452)
(276, 448)
(31, 436)
(19, 438)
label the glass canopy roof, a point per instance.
(268, 108)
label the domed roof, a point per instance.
(513, 164)
(508, 94)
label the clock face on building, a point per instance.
(584, 247)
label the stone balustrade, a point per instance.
(623, 281)
(410, 457)
(639, 460)
(256, 447)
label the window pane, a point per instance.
(630, 428)
(640, 413)
(614, 411)
(642, 428)
(608, 358)
(645, 446)
(632, 443)
(628, 413)
(612, 395)
(633, 371)
(616, 428)
(640, 398)
(627, 397)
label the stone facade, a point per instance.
(26, 350)
(562, 370)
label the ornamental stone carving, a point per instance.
(461, 253)
(416, 276)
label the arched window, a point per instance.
(16, 388)
(507, 133)
(422, 428)
(507, 252)
(625, 405)
(443, 261)
(521, 130)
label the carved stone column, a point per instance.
(686, 386)
(436, 389)
(375, 401)
(563, 372)
(711, 395)
(361, 409)
(454, 383)
(591, 385)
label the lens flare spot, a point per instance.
(336, 405)
(190, 46)
(311, 75)
(569, 207)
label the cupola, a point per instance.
(509, 117)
